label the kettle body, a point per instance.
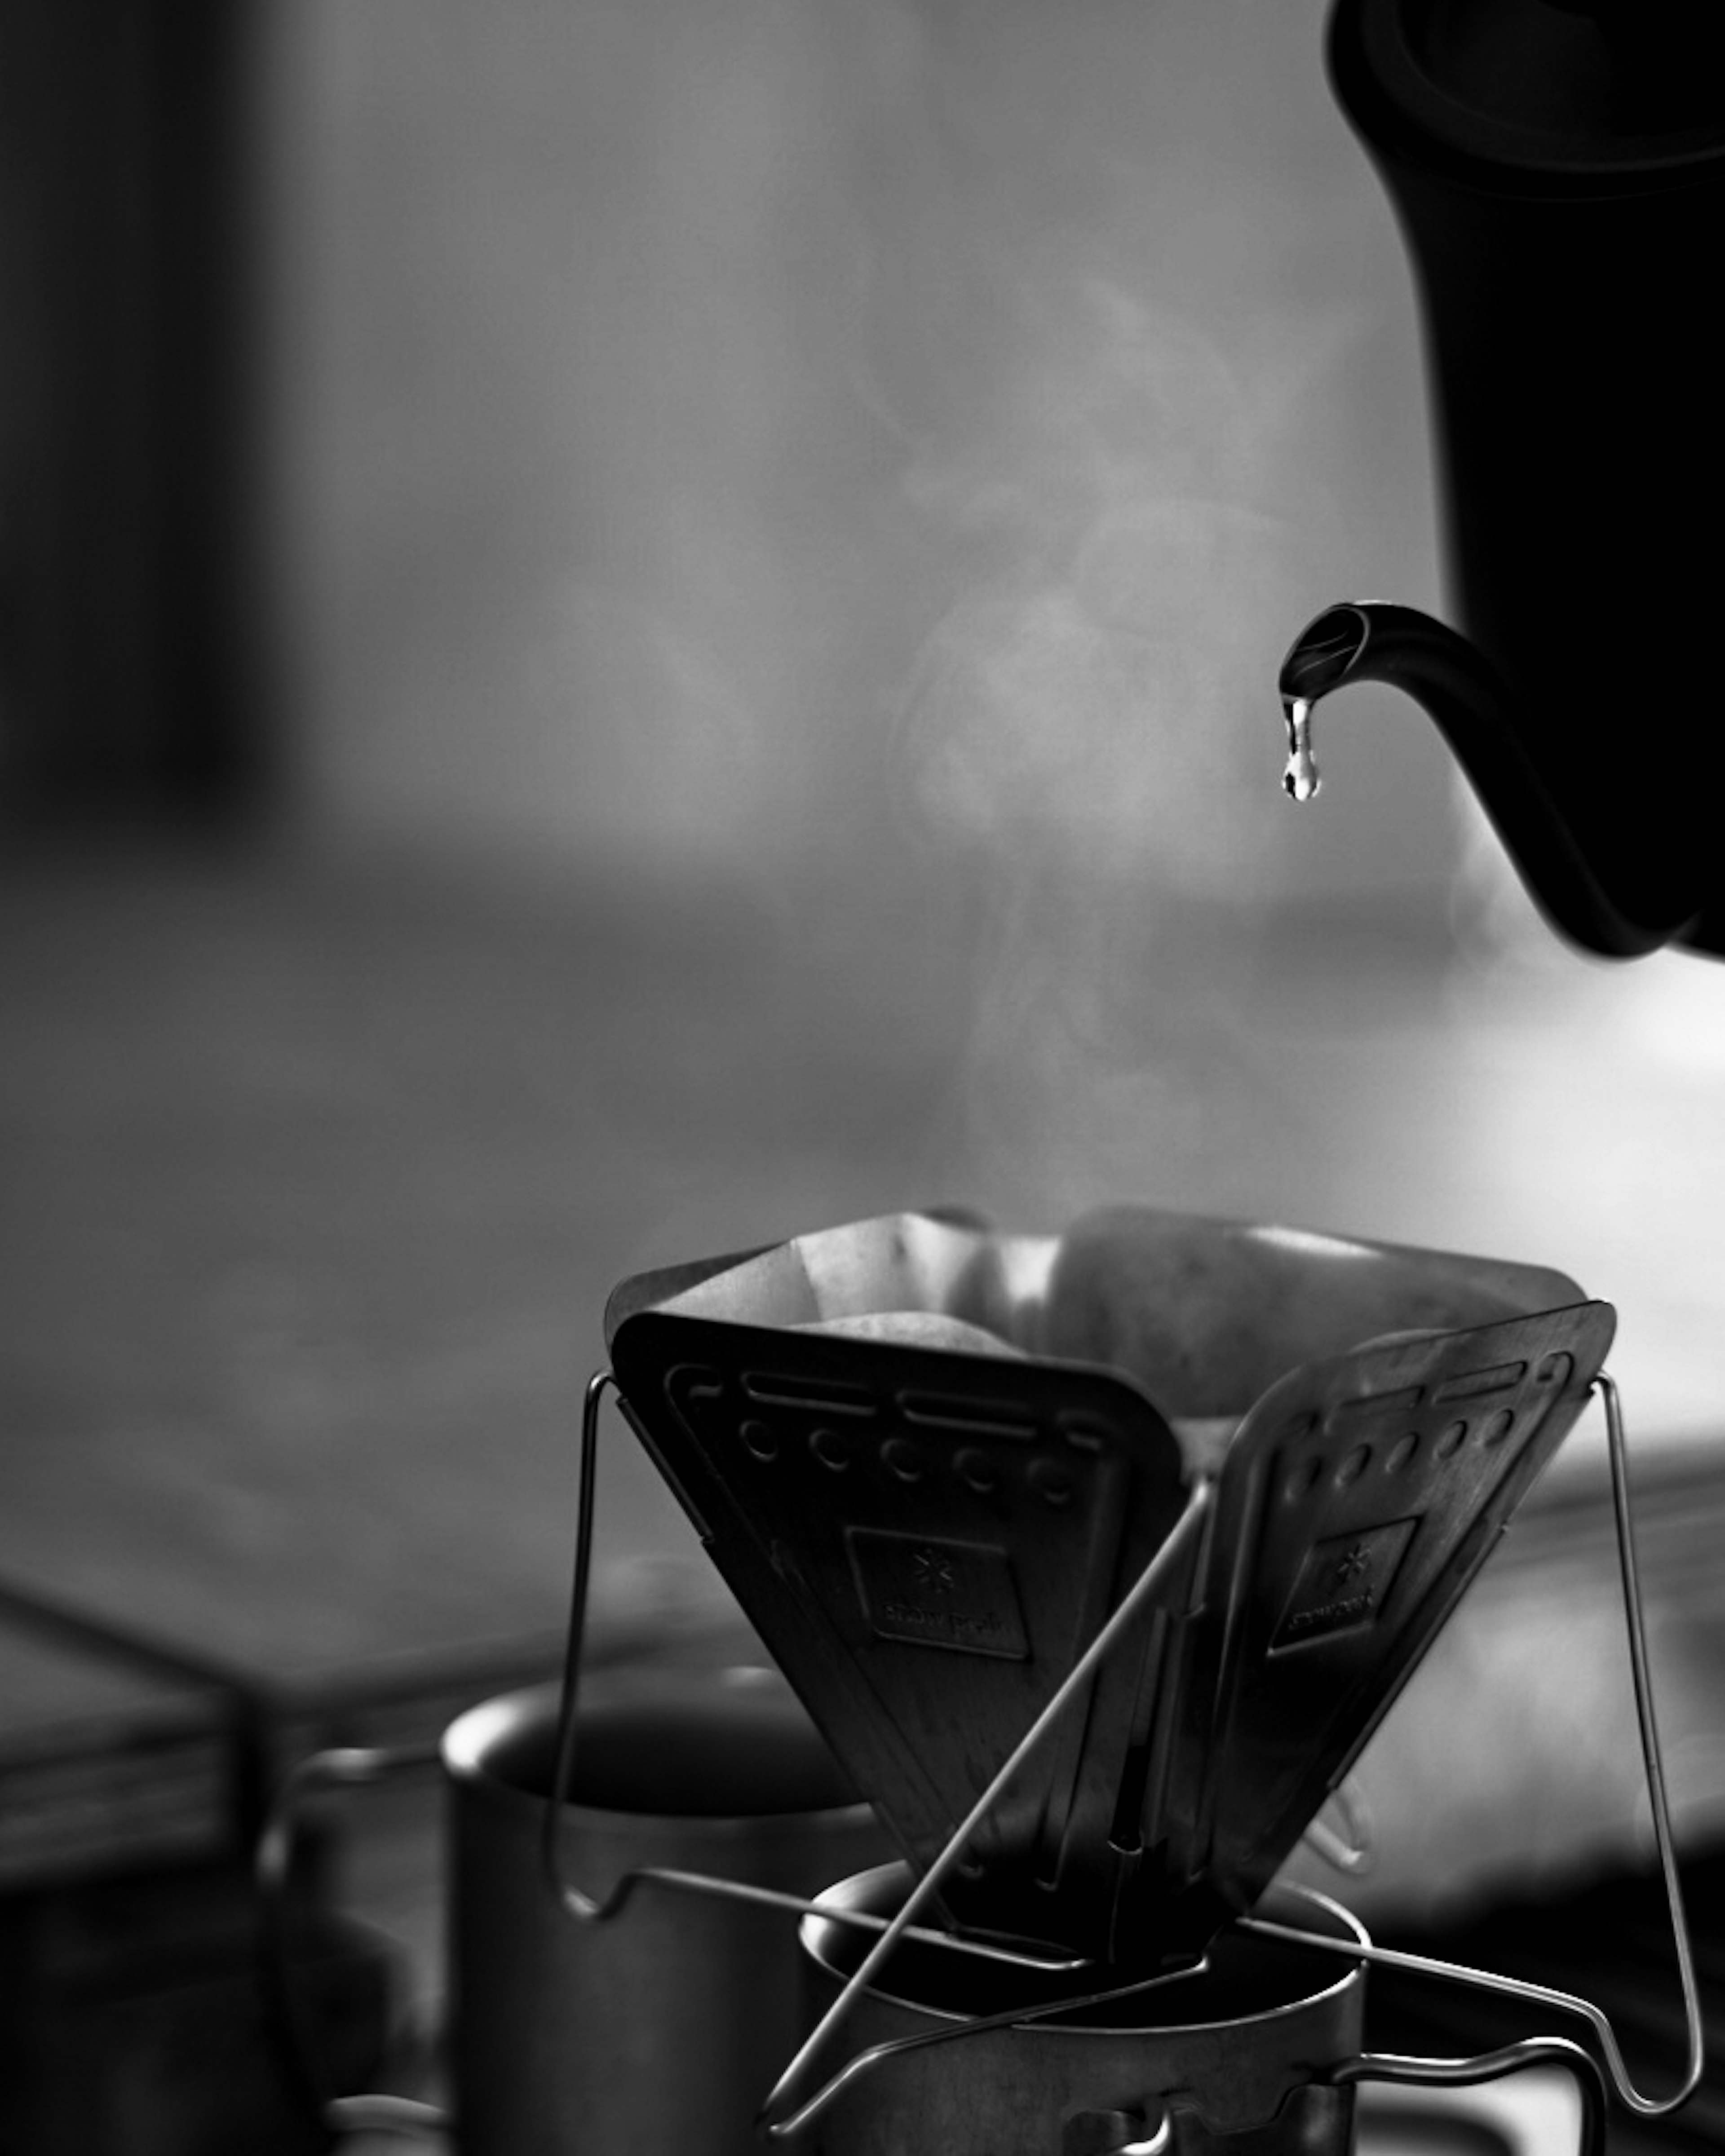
(1559, 175)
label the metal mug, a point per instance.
(660, 2030)
(1256, 2053)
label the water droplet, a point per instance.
(1301, 778)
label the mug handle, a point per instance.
(1165, 2129)
(347, 1767)
(1313, 2117)
(1579, 2063)
(1116, 2133)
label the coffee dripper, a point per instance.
(1095, 1665)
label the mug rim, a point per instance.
(1353, 1974)
(469, 1741)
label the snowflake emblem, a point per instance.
(933, 1571)
(1352, 1563)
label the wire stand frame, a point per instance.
(1509, 1987)
(786, 2112)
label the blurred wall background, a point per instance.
(686, 433)
(742, 428)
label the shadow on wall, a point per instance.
(729, 429)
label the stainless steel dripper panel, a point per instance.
(926, 1541)
(1355, 1504)
(927, 1538)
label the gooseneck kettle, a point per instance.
(1557, 170)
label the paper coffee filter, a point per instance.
(1204, 1315)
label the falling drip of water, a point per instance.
(1301, 779)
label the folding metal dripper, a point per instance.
(928, 1539)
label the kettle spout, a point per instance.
(1479, 716)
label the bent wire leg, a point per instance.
(1652, 1758)
(583, 1907)
(1575, 2058)
(1644, 2106)
(1352, 1848)
(576, 1904)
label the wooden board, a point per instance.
(105, 1766)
